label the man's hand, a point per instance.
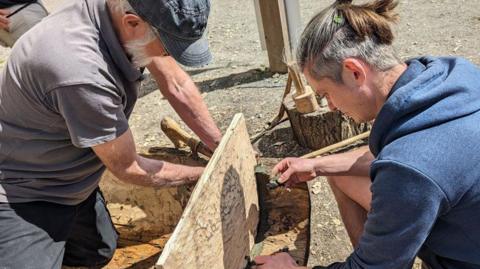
(295, 170)
(4, 21)
(277, 261)
(120, 157)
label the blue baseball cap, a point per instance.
(180, 25)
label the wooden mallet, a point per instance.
(180, 138)
(304, 97)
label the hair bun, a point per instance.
(385, 8)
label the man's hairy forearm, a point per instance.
(192, 109)
(155, 173)
(184, 96)
(352, 163)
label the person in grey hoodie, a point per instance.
(415, 190)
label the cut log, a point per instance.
(321, 128)
(218, 226)
(143, 213)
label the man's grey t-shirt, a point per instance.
(67, 86)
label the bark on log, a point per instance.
(321, 128)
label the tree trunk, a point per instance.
(321, 128)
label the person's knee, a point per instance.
(93, 241)
(25, 19)
(34, 16)
(352, 188)
(333, 183)
(110, 247)
(105, 254)
(92, 258)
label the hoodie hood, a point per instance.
(432, 91)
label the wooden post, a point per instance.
(294, 22)
(276, 34)
(261, 32)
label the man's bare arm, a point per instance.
(4, 22)
(353, 163)
(182, 93)
(121, 158)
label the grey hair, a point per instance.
(135, 48)
(122, 7)
(346, 31)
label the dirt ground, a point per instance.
(238, 81)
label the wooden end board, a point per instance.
(218, 227)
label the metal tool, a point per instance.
(304, 97)
(274, 183)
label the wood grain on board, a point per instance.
(218, 226)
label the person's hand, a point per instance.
(295, 170)
(190, 174)
(4, 21)
(277, 261)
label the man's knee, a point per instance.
(333, 183)
(22, 21)
(91, 257)
(106, 253)
(93, 241)
(33, 14)
(353, 188)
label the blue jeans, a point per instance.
(47, 235)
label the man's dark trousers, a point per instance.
(47, 235)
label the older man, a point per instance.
(416, 190)
(66, 94)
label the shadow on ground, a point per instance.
(147, 263)
(279, 143)
(249, 76)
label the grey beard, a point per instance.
(136, 52)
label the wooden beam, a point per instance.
(344, 143)
(294, 21)
(258, 17)
(218, 226)
(276, 34)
